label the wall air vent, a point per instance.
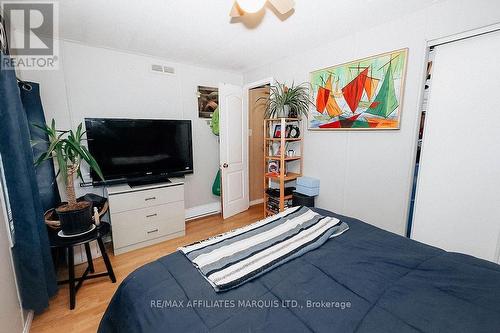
(162, 69)
(169, 70)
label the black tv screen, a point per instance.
(136, 148)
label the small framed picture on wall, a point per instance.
(208, 101)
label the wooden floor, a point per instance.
(94, 296)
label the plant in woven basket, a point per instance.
(284, 101)
(67, 148)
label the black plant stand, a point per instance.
(67, 243)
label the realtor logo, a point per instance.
(32, 34)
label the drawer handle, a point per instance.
(152, 231)
(152, 215)
(152, 198)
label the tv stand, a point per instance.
(146, 215)
(148, 181)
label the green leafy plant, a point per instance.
(284, 100)
(67, 148)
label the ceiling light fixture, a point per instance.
(242, 7)
(251, 6)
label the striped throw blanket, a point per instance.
(231, 259)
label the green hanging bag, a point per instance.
(216, 185)
(214, 124)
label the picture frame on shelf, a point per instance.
(277, 131)
(292, 131)
(273, 149)
(273, 167)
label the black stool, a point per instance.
(57, 242)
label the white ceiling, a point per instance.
(201, 32)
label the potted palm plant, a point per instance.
(284, 101)
(67, 149)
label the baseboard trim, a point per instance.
(256, 202)
(203, 210)
(29, 320)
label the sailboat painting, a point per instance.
(362, 94)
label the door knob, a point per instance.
(225, 165)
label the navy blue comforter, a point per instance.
(366, 280)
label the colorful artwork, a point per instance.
(363, 94)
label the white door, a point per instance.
(457, 204)
(233, 124)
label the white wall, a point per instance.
(368, 174)
(98, 82)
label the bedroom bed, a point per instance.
(366, 280)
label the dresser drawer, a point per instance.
(141, 199)
(140, 225)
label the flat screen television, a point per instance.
(140, 150)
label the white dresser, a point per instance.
(146, 215)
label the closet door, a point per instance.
(11, 319)
(457, 204)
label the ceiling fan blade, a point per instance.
(283, 6)
(235, 10)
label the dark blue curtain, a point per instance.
(31, 252)
(45, 175)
